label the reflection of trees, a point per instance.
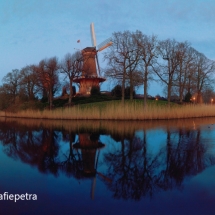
(40, 147)
(132, 170)
(72, 163)
(35, 147)
(185, 155)
(48, 151)
(135, 172)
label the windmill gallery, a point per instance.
(90, 76)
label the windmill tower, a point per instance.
(91, 71)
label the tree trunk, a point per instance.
(123, 87)
(145, 87)
(198, 99)
(180, 87)
(169, 93)
(131, 88)
(181, 94)
(50, 99)
(70, 92)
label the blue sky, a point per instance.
(31, 30)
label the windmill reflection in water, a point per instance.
(89, 145)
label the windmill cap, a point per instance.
(89, 49)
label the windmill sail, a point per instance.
(99, 73)
(93, 36)
(108, 42)
(101, 47)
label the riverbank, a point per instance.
(117, 111)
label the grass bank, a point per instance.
(114, 110)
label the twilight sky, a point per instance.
(31, 30)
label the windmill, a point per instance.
(90, 76)
(89, 145)
(100, 47)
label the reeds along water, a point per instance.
(132, 111)
(109, 126)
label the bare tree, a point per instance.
(29, 81)
(5, 97)
(184, 71)
(204, 68)
(122, 59)
(208, 95)
(168, 50)
(11, 84)
(71, 66)
(147, 47)
(47, 72)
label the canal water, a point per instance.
(107, 167)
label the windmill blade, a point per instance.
(93, 36)
(108, 42)
(104, 177)
(93, 187)
(97, 60)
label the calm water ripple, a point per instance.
(104, 167)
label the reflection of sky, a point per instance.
(58, 195)
(209, 136)
(155, 139)
(33, 30)
(197, 196)
(110, 146)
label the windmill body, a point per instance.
(91, 71)
(89, 144)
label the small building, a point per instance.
(89, 77)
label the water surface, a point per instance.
(104, 167)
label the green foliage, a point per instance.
(59, 102)
(127, 92)
(34, 105)
(92, 99)
(4, 103)
(44, 99)
(117, 91)
(95, 91)
(187, 98)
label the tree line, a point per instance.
(134, 59)
(41, 80)
(132, 168)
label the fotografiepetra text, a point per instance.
(16, 197)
